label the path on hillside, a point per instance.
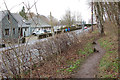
(89, 68)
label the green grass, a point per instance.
(27, 72)
(71, 67)
(108, 66)
(88, 49)
(95, 32)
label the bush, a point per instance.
(16, 61)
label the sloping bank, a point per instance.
(108, 67)
(68, 60)
(25, 60)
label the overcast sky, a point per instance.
(57, 7)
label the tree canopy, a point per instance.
(68, 19)
(23, 13)
(106, 11)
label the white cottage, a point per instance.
(24, 25)
(37, 23)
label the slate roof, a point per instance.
(21, 21)
(4, 13)
(38, 22)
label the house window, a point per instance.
(13, 30)
(25, 29)
(8, 18)
(18, 30)
(6, 31)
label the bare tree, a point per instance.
(68, 19)
(99, 14)
(54, 20)
(106, 11)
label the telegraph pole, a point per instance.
(92, 15)
(51, 23)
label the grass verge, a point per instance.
(73, 65)
(108, 67)
(62, 65)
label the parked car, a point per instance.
(39, 32)
(85, 27)
(57, 30)
(34, 33)
(49, 31)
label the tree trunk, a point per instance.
(99, 12)
(118, 22)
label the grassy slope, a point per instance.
(64, 65)
(83, 53)
(61, 66)
(108, 67)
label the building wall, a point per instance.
(25, 31)
(10, 23)
(31, 30)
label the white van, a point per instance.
(39, 32)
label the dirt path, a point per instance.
(89, 67)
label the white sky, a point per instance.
(57, 7)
